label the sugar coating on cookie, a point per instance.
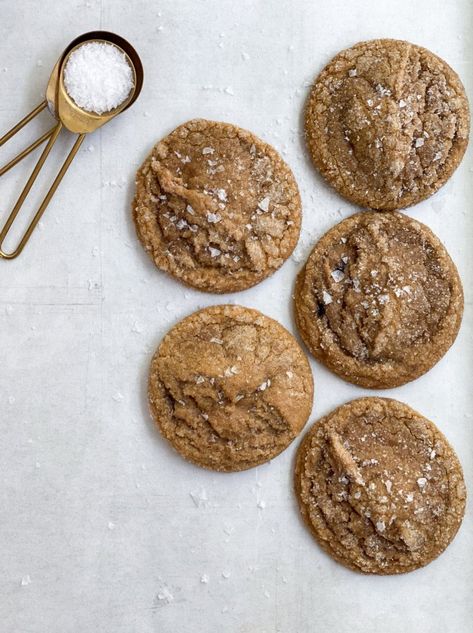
(216, 207)
(379, 486)
(379, 300)
(229, 388)
(387, 123)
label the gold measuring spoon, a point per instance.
(70, 116)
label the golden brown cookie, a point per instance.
(379, 301)
(379, 486)
(216, 207)
(229, 388)
(387, 123)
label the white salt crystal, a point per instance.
(213, 218)
(136, 328)
(182, 224)
(421, 482)
(337, 275)
(98, 77)
(327, 297)
(199, 497)
(164, 595)
(264, 385)
(264, 204)
(419, 142)
(380, 526)
(352, 72)
(214, 252)
(382, 91)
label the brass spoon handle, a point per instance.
(6, 137)
(52, 139)
(26, 151)
(30, 148)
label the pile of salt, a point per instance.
(98, 77)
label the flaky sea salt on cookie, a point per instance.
(379, 486)
(216, 207)
(387, 123)
(229, 388)
(379, 300)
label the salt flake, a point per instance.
(337, 275)
(327, 297)
(213, 218)
(264, 204)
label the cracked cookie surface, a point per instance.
(387, 123)
(379, 486)
(379, 300)
(229, 388)
(216, 207)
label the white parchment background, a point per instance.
(96, 515)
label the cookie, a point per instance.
(379, 486)
(387, 123)
(216, 207)
(379, 300)
(229, 388)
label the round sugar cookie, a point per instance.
(387, 123)
(379, 486)
(229, 388)
(216, 207)
(379, 300)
